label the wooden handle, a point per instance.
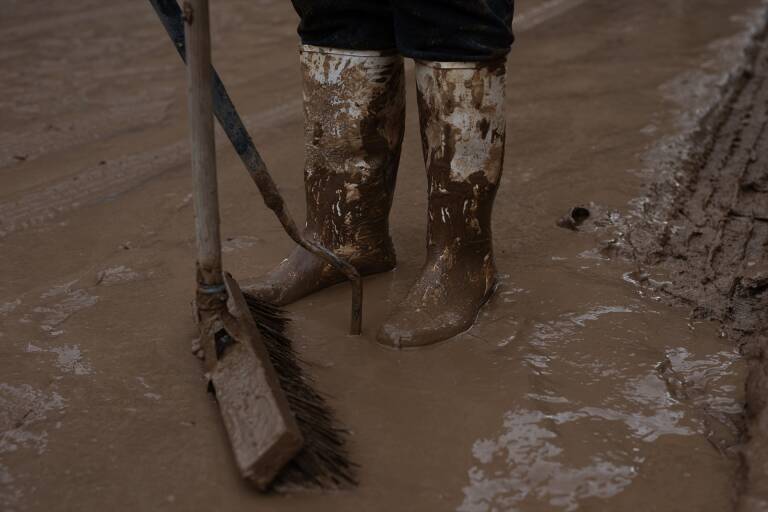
(172, 19)
(200, 100)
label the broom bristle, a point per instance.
(324, 461)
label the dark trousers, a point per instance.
(438, 30)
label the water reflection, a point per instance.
(602, 395)
(526, 461)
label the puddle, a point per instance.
(609, 396)
(528, 449)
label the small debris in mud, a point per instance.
(574, 218)
(675, 383)
(20, 158)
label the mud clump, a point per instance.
(706, 227)
(574, 218)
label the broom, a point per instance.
(282, 431)
(173, 21)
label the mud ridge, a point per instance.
(701, 238)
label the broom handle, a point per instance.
(200, 102)
(171, 17)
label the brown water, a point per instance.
(575, 390)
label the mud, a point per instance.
(576, 390)
(701, 239)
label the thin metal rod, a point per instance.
(171, 18)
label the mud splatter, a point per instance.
(68, 358)
(10, 495)
(23, 412)
(462, 128)
(352, 155)
(63, 301)
(148, 394)
(117, 275)
(463, 123)
(21, 409)
(9, 307)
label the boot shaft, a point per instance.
(354, 112)
(461, 112)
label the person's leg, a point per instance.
(354, 111)
(346, 24)
(453, 30)
(461, 109)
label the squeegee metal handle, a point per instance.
(172, 19)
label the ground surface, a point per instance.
(701, 239)
(567, 393)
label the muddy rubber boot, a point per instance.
(354, 113)
(461, 108)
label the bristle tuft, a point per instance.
(324, 460)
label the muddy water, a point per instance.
(719, 197)
(575, 390)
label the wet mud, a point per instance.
(577, 389)
(700, 238)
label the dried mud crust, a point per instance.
(706, 229)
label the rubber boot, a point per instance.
(354, 112)
(461, 110)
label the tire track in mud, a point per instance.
(27, 29)
(56, 133)
(42, 204)
(109, 179)
(706, 230)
